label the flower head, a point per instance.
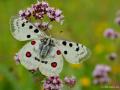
(110, 33)
(53, 83)
(17, 58)
(117, 20)
(70, 81)
(102, 80)
(55, 14)
(43, 25)
(100, 74)
(112, 56)
(39, 10)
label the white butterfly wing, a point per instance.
(54, 63)
(27, 55)
(23, 30)
(49, 66)
(73, 52)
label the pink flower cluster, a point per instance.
(110, 33)
(43, 26)
(70, 81)
(100, 74)
(53, 83)
(39, 10)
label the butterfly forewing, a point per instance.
(23, 30)
(73, 52)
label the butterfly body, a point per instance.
(43, 52)
(45, 47)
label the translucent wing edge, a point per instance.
(86, 57)
(12, 27)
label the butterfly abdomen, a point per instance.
(44, 51)
(45, 48)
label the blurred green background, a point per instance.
(85, 22)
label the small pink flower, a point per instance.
(40, 10)
(17, 58)
(103, 80)
(53, 83)
(43, 26)
(100, 74)
(70, 81)
(55, 15)
(110, 33)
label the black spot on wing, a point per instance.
(70, 44)
(77, 49)
(65, 52)
(23, 24)
(28, 36)
(64, 43)
(36, 30)
(30, 27)
(45, 62)
(37, 59)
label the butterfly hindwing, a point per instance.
(30, 58)
(23, 30)
(27, 55)
(54, 63)
(73, 52)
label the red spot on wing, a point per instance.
(33, 42)
(58, 52)
(54, 64)
(28, 54)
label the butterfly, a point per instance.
(43, 52)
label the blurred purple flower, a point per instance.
(110, 33)
(26, 13)
(70, 81)
(100, 74)
(55, 14)
(16, 58)
(112, 56)
(102, 80)
(53, 83)
(43, 25)
(39, 10)
(117, 20)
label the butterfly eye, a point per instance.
(46, 39)
(52, 43)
